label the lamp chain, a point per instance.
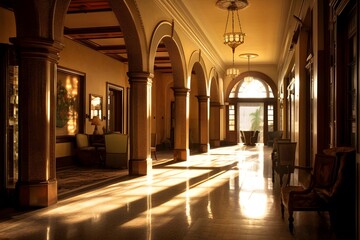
(227, 19)
(237, 13)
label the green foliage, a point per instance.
(256, 119)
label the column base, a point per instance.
(140, 167)
(41, 194)
(181, 154)
(204, 148)
(215, 143)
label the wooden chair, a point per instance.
(272, 136)
(274, 154)
(284, 159)
(332, 188)
(153, 144)
(116, 149)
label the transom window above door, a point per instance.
(251, 88)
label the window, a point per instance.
(231, 117)
(270, 113)
(254, 89)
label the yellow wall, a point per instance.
(7, 25)
(99, 69)
(162, 95)
(194, 111)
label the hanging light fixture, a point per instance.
(233, 38)
(248, 79)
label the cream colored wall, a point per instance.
(194, 111)
(7, 25)
(160, 116)
(99, 69)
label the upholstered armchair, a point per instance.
(85, 153)
(332, 189)
(116, 149)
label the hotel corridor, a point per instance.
(224, 194)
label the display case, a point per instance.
(9, 121)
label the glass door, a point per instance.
(251, 118)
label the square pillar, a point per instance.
(181, 131)
(140, 162)
(37, 185)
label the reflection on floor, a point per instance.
(224, 194)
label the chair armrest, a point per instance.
(297, 192)
(303, 168)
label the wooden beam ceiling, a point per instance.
(93, 37)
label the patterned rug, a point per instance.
(76, 178)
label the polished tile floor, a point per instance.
(224, 194)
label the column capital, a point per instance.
(181, 91)
(134, 76)
(203, 98)
(215, 104)
(38, 48)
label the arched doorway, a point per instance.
(175, 103)
(251, 105)
(215, 107)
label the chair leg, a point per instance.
(154, 154)
(281, 179)
(291, 222)
(288, 179)
(282, 210)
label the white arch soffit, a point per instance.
(196, 58)
(131, 24)
(164, 30)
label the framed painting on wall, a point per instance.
(69, 103)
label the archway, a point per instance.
(199, 105)
(251, 106)
(164, 33)
(215, 107)
(39, 41)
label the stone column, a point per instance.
(181, 131)
(214, 124)
(140, 117)
(37, 185)
(203, 123)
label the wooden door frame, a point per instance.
(114, 87)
